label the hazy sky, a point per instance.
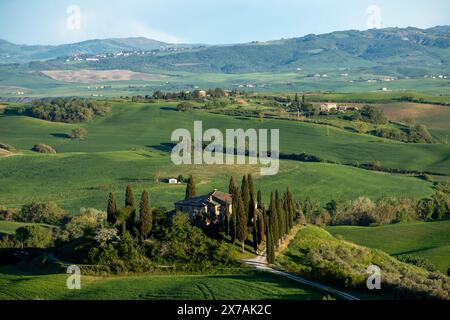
(206, 21)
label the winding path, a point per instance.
(260, 263)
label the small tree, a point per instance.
(145, 213)
(157, 177)
(33, 236)
(190, 188)
(184, 106)
(112, 209)
(43, 148)
(78, 134)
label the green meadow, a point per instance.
(131, 145)
(246, 285)
(430, 240)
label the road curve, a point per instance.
(260, 263)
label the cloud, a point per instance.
(141, 30)
(98, 26)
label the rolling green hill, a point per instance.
(131, 146)
(408, 52)
(430, 240)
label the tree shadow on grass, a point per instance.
(169, 109)
(60, 135)
(136, 180)
(409, 252)
(164, 147)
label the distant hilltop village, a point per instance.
(123, 53)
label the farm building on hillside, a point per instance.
(174, 181)
(328, 107)
(207, 209)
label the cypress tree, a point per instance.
(280, 217)
(112, 209)
(290, 206)
(259, 200)
(251, 186)
(252, 202)
(270, 245)
(261, 227)
(227, 224)
(273, 221)
(190, 188)
(229, 218)
(241, 228)
(255, 235)
(287, 213)
(235, 205)
(245, 192)
(145, 213)
(129, 197)
(231, 186)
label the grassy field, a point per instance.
(8, 227)
(430, 240)
(247, 285)
(428, 114)
(132, 144)
(90, 183)
(36, 84)
(138, 126)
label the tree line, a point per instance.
(68, 110)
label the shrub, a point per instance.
(390, 133)
(364, 212)
(48, 213)
(7, 214)
(78, 134)
(43, 148)
(33, 237)
(419, 262)
(419, 134)
(85, 223)
(7, 147)
(184, 106)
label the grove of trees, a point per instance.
(68, 110)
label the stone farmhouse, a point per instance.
(207, 209)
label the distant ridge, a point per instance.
(14, 53)
(402, 52)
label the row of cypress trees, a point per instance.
(247, 215)
(127, 218)
(281, 217)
